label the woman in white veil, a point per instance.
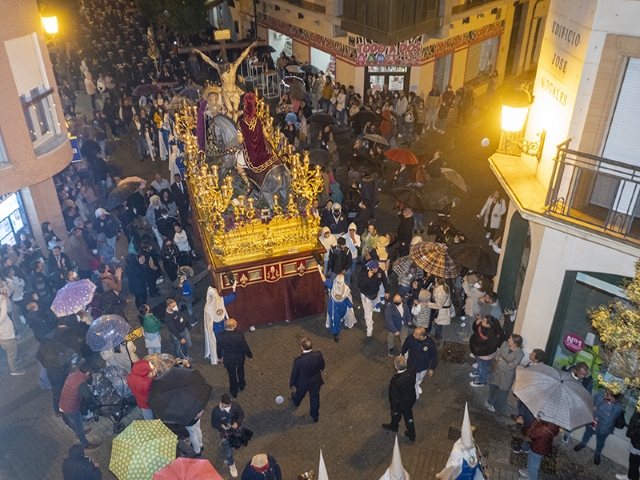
(215, 314)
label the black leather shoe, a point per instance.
(578, 447)
(596, 459)
(388, 426)
(336, 338)
(411, 439)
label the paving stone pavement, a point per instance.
(353, 405)
(33, 442)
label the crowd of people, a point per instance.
(109, 60)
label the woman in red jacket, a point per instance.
(139, 381)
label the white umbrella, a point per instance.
(554, 396)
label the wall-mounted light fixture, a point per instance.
(515, 108)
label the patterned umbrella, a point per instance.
(401, 155)
(554, 396)
(188, 469)
(106, 332)
(73, 297)
(161, 363)
(434, 260)
(142, 449)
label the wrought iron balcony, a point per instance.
(598, 192)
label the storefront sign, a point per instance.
(314, 40)
(404, 53)
(573, 342)
(450, 45)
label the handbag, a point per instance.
(240, 437)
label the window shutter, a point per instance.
(473, 62)
(24, 58)
(621, 144)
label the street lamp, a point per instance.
(515, 108)
(50, 24)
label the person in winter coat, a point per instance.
(421, 311)
(538, 443)
(226, 417)
(79, 253)
(170, 254)
(633, 432)
(107, 224)
(402, 397)
(433, 104)
(441, 303)
(340, 259)
(507, 360)
(134, 270)
(423, 355)
(607, 409)
(405, 231)
(486, 338)
(328, 241)
(262, 467)
(151, 326)
(79, 467)
(492, 212)
(139, 381)
(397, 316)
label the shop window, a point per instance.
(12, 219)
(481, 60)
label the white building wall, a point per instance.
(552, 254)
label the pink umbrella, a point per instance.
(188, 469)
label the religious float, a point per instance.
(252, 200)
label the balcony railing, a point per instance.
(596, 191)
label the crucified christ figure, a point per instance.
(230, 92)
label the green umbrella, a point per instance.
(142, 449)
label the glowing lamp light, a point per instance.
(50, 24)
(515, 107)
(513, 118)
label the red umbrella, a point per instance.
(188, 469)
(401, 155)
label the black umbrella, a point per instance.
(364, 116)
(322, 118)
(179, 395)
(191, 93)
(309, 69)
(53, 354)
(409, 197)
(145, 90)
(260, 49)
(365, 163)
(320, 156)
(123, 190)
(479, 258)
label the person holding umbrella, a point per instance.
(538, 443)
(227, 417)
(139, 381)
(607, 409)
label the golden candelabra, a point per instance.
(246, 234)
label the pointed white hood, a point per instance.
(395, 471)
(322, 469)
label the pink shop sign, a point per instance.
(573, 342)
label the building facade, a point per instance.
(34, 144)
(572, 234)
(407, 45)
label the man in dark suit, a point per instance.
(306, 376)
(232, 350)
(181, 196)
(57, 264)
(402, 396)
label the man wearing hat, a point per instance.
(262, 467)
(105, 223)
(369, 284)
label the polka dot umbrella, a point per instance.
(73, 297)
(142, 449)
(106, 332)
